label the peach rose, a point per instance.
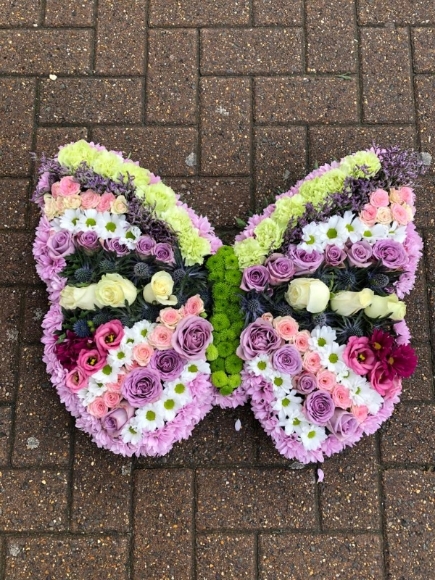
(384, 216)
(90, 199)
(97, 408)
(340, 396)
(395, 196)
(311, 361)
(286, 327)
(161, 337)
(326, 380)
(368, 214)
(142, 353)
(301, 340)
(170, 317)
(379, 198)
(111, 399)
(194, 306)
(105, 201)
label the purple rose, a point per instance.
(305, 262)
(255, 278)
(89, 241)
(305, 383)
(258, 338)
(343, 425)
(164, 253)
(142, 386)
(391, 253)
(360, 254)
(168, 363)
(334, 256)
(319, 407)
(192, 336)
(287, 360)
(115, 245)
(281, 268)
(60, 244)
(114, 421)
(145, 246)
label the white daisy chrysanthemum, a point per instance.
(331, 357)
(150, 417)
(312, 436)
(294, 424)
(137, 333)
(192, 369)
(311, 238)
(288, 407)
(321, 337)
(281, 382)
(131, 237)
(348, 223)
(260, 366)
(371, 234)
(362, 393)
(111, 225)
(333, 232)
(179, 391)
(395, 232)
(94, 390)
(108, 374)
(168, 407)
(88, 220)
(123, 355)
(131, 432)
(70, 220)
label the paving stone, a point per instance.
(22, 13)
(251, 51)
(320, 557)
(424, 49)
(45, 52)
(49, 139)
(410, 513)
(98, 101)
(35, 306)
(285, 13)
(14, 194)
(42, 434)
(224, 556)
(387, 86)
(163, 151)
(219, 199)
(69, 13)
(280, 154)
(225, 125)
(16, 260)
(331, 35)
(425, 96)
(267, 453)
(407, 435)
(67, 557)
(9, 320)
(33, 500)
(163, 522)
(214, 441)
(172, 76)
(417, 315)
(329, 143)
(197, 13)
(396, 11)
(349, 495)
(305, 99)
(120, 39)
(16, 112)
(101, 489)
(242, 499)
(420, 387)
(425, 203)
(5, 434)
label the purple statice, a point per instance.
(149, 224)
(400, 167)
(49, 171)
(90, 180)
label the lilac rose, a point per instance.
(305, 262)
(334, 256)
(281, 268)
(319, 407)
(115, 245)
(142, 386)
(168, 363)
(163, 252)
(287, 360)
(60, 244)
(89, 241)
(255, 278)
(343, 425)
(114, 421)
(258, 338)
(192, 336)
(360, 254)
(305, 383)
(391, 253)
(145, 246)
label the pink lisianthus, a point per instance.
(194, 306)
(311, 361)
(109, 335)
(97, 408)
(89, 199)
(91, 361)
(68, 186)
(381, 379)
(360, 412)
(170, 317)
(326, 380)
(105, 201)
(142, 353)
(358, 355)
(341, 397)
(161, 337)
(286, 327)
(76, 380)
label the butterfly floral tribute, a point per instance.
(127, 332)
(324, 273)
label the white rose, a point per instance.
(308, 293)
(113, 290)
(72, 297)
(160, 289)
(383, 306)
(119, 206)
(348, 303)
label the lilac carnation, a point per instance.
(258, 338)
(360, 254)
(142, 386)
(305, 262)
(391, 253)
(114, 421)
(168, 363)
(255, 278)
(163, 253)
(145, 246)
(287, 360)
(192, 336)
(281, 268)
(343, 425)
(319, 407)
(305, 383)
(115, 245)
(334, 256)
(60, 244)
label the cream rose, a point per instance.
(348, 303)
(308, 293)
(119, 205)
(160, 289)
(72, 202)
(50, 206)
(114, 290)
(383, 306)
(72, 297)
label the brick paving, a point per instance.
(231, 101)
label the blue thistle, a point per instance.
(83, 274)
(81, 328)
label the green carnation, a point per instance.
(211, 353)
(193, 248)
(141, 176)
(352, 164)
(233, 364)
(233, 277)
(269, 234)
(220, 322)
(219, 379)
(288, 208)
(72, 155)
(225, 349)
(249, 253)
(108, 165)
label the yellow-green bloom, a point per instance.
(369, 160)
(194, 248)
(269, 234)
(160, 196)
(141, 175)
(72, 155)
(178, 219)
(249, 252)
(287, 208)
(108, 165)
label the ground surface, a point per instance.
(230, 101)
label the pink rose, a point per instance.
(194, 306)
(368, 214)
(91, 361)
(105, 201)
(116, 387)
(89, 199)
(55, 189)
(161, 337)
(97, 408)
(142, 353)
(379, 198)
(76, 380)
(341, 398)
(406, 195)
(170, 317)
(358, 355)
(400, 215)
(326, 380)
(311, 361)
(68, 186)
(360, 412)
(286, 327)
(109, 335)
(111, 399)
(301, 340)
